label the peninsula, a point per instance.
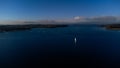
(6, 28)
(112, 26)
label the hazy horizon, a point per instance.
(56, 9)
(18, 11)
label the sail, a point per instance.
(75, 40)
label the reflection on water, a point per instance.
(94, 47)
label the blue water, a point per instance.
(95, 46)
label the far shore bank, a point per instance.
(6, 28)
(111, 26)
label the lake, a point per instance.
(95, 47)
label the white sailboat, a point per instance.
(75, 40)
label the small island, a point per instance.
(6, 28)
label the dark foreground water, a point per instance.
(95, 47)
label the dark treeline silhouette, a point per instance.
(4, 28)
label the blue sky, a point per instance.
(56, 9)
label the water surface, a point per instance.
(96, 47)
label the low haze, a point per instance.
(56, 9)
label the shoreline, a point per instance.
(111, 26)
(7, 28)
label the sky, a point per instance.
(56, 9)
